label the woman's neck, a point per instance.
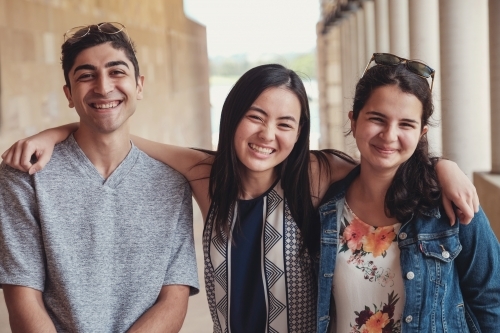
(255, 184)
(366, 196)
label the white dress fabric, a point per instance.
(368, 286)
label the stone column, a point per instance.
(370, 36)
(347, 40)
(382, 25)
(321, 58)
(494, 22)
(399, 31)
(424, 46)
(465, 83)
(361, 32)
(333, 88)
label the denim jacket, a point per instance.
(453, 290)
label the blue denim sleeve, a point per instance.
(478, 267)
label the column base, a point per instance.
(488, 189)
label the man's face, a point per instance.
(104, 90)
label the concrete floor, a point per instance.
(198, 316)
(4, 318)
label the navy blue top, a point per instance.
(247, 303)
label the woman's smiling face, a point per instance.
(267, 133)
(388, 128)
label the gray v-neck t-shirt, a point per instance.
(99, 249)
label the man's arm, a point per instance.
(167, 315)
(27, 312)
(478, 266)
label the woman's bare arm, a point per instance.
(41, 145)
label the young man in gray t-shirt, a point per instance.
(101, 239)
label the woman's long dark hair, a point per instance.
(225, 178)
(415, 188)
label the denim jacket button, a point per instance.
(445, 254)
(410, 276)
(408, 319)
(403, 235)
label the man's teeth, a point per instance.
(261, 149)
(106, 105)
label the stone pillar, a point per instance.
(424, 46)
(494, 22)
(361, 32)
(399, 31)
(370, 36)
(321, 58)
(465, 84)
(333, 89)
(382, 25)
(349, 62)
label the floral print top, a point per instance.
(367, 286)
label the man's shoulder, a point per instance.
(8, 173)
(154, 170)
(61, 154)
(156, 166)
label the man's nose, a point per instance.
(104, 85)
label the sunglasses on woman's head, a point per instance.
(414, 66)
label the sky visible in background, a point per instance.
(256, 27)
(259, 29)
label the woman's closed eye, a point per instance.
(377, 119)
(407, 125)
(286, 126)
(255, 117)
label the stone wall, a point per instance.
(172, 55)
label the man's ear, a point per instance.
(140, 87)
(67, 92)
(353, 124)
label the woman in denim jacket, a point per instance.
(388, 255)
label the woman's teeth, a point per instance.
(262, 150)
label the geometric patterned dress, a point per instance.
(284, 274)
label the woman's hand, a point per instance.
(458, 191)
(41, 145)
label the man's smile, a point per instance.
(107, 105)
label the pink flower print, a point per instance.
(354, 233)
(378, 241)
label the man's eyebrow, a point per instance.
(107, 65)
(86, 66)
(385, 117)
(116, 63)
(256, 108)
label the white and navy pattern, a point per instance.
(288, 275)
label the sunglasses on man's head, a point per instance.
(414, 66)
(110, 28)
